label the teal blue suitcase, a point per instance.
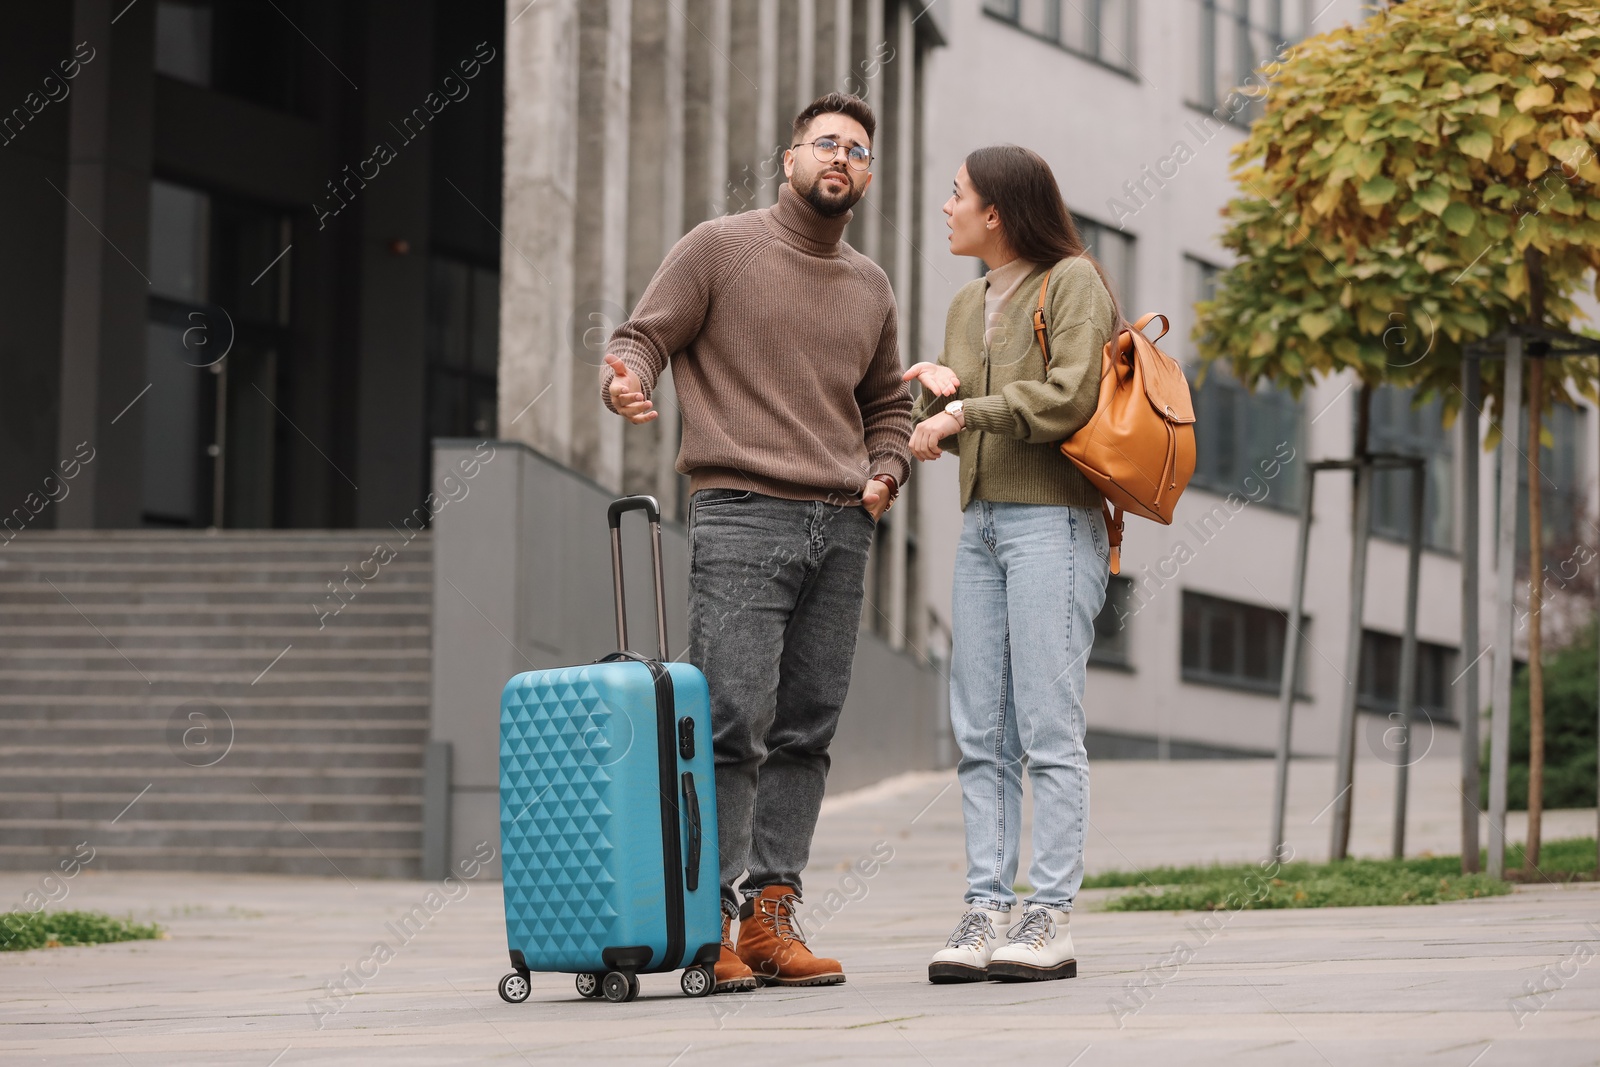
(608, 822)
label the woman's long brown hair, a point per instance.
(1020, 185)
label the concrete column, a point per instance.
(655, 218)
(538, 212)
(911, 343)
(902, 136)
(754, 158)
(771, 136)
(865, 78)
(787, 29)
(601, 249)
(832, 56)
(706, 76)
(105, 289)
(804, 45)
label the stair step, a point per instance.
(301, 860)
(225, 777)
(65, 706)
(303, 808)
(217, 685)
(262, 758)
(188, 661)
(245, 613)
(414, 640)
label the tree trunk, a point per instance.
(1534, 260)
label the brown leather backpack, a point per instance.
(1138, 447)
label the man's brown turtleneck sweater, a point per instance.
(784, 355)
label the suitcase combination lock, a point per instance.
(686, 737)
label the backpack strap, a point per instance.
(1113, 534)
(1042, 334)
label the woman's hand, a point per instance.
(938, 380)
(929, 432)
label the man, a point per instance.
(796, 421)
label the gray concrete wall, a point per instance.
(522, 581)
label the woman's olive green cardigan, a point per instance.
(1017, 415)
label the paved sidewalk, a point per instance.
(241, 981)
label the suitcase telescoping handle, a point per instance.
(652, 511)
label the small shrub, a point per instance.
(20, 930)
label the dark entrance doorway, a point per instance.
(218, 340)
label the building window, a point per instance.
(1236, 645)
(183, 41)
(1101, 30)
(1379, 690)
(251, 49)
(463, 348)
(1247, 443)
(1561, 501)
(1235, 38)
(1114, 250)
(1397, 426)
(1111, 625)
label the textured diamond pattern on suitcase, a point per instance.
(554, 772)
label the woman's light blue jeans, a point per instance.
(1029, 581)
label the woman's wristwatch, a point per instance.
(957, 408)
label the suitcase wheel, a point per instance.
(588, 985)
(514, 988)
(698, 981)
(619, 987)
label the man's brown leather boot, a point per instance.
(771, 943)
(733, 974)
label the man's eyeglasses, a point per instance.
(826, 150)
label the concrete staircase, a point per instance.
(194, 701)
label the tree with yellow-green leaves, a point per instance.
(1415, 183)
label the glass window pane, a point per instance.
(1257, 647)
(172, 452)
(1040, 16)
(1222, 640)
(485, 321)
(1192, 658)
(449, 312)
(183, 41)
(1115, 36)
(179, 238)
(245, 239)
(1205, 71)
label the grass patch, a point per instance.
(1351, 883)
(20, 930)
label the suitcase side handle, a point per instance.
(652, 511)
(691, 805)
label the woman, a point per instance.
(1033, 560)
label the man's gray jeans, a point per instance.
(775, 589)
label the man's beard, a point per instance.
(832, 208)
